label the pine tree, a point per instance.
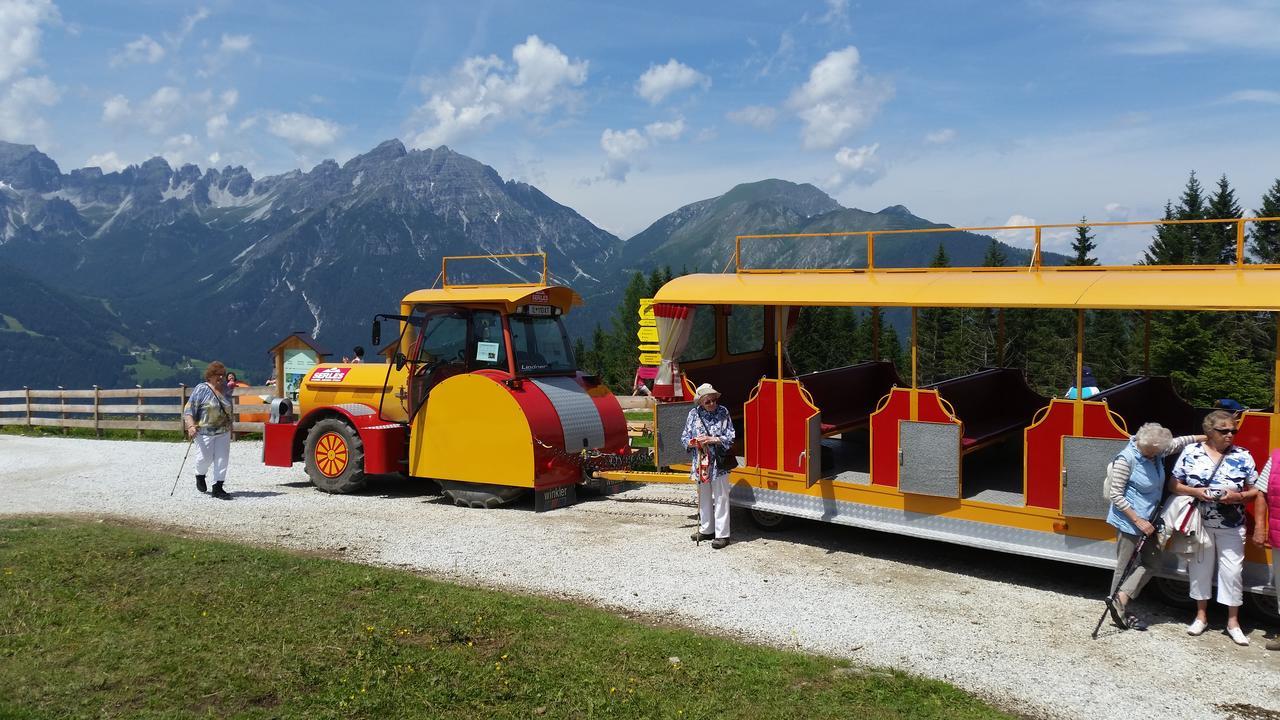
(1264, 238)
(1180, 244)
(1109, 345)
(939, 355)
(995, 256)
(1219, 241)
(1083, 245)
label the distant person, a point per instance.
(1267, 535)
(207, 421)
(1220, 475)
(357, 355)
(1089, 382)
(1136, 480)
(1231, 406)
(232, 382)
(708, 436)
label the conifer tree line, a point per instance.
(1208, 355)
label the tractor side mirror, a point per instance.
(400, 360)
(377, 333)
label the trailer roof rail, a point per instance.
(494, 258)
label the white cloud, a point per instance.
(142, 50)
(858, 166)
(838, 99)
(659, 81)
(21, 95)
(837, 13)
(1270, 97)
(115, 109)
(940, 137)
(665, 130)
(235, 43)
(188, 24)
(214, 159)
(1161, 27)
(216, 126)
(108, 161)
(178, 148)
(485, 91)
(761, 117)
(620, 147)
(303, 131)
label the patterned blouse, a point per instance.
(1237, 473)
(210, 413)
(701, 422)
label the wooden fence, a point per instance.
(135, 408)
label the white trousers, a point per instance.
(714, 493)
(213, 450)
(1227, 552)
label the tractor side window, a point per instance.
(444, 337)
(746, 329)
(488, 350)
(702, 337)
(540, 345)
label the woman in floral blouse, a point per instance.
(708, 435)
(1220, 476)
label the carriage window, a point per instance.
(746, 329)
(444, 336)
(702, 338)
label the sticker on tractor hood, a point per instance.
(329, 375)
(539, 297)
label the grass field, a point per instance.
(109, 621)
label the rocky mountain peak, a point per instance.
(26, 168)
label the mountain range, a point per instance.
(140, 275)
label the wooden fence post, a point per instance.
(27, 390)
(182, 403)
(139, 387)
(97, 431)
(62, 400)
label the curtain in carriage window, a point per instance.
(675, 322)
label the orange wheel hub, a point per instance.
(331, 454)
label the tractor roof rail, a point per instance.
(444, 269)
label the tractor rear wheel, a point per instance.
(334, 457)
(475, 495)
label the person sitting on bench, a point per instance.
(1089, 383)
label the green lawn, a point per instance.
(99, 620)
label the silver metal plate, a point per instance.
(668, 424)
(930, 458)
(1084, 461)
(579, 417)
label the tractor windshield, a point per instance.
(541, 345)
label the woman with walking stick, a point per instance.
(207, 420)
(1136, 479)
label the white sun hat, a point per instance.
(704, 390)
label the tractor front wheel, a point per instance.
(335, 457)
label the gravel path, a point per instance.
(1014, 631)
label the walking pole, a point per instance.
(1134, 561)
(182, 466)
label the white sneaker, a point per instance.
(1197, 627)
(1237, 635)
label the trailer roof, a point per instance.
(510, 295)
(1148, 287)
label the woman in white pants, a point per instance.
(708, 435)
(207, 421)
(1220, 475)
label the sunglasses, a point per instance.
(1225, 431)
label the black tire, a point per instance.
(334, 457)
(1263, 607)
(770, 522)
(482, 497)
(1175, 593)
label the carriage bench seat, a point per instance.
(991, 403)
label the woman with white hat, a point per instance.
(708, 435)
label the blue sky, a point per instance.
(970, 113)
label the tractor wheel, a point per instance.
(334, 457)
(483, 497)
(770, 522)
(1175, 593)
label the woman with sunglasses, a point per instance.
(1220, 476)
(708, 436)
(207, 422)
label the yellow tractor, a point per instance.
(481, 393)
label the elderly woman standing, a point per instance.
(1136, 480)
(207, 421)
(1220, 476)
(708, 435)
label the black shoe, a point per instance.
(700, 536)
(219, 493)
(719, 543)
(200, 484)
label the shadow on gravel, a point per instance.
(254, 493)
(299, 484)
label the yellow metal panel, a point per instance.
(510, 295)
(653, 359)
(472, 430)
(647, 348)
(648, 334)
(362, 383)
(1137, 287)
(646, 308)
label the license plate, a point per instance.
(539, 309)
